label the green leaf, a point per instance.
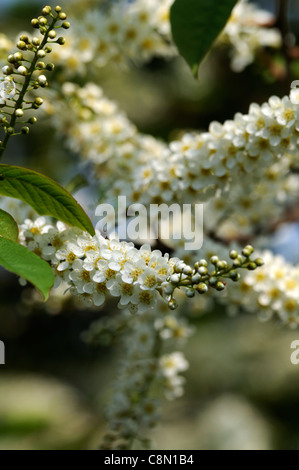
(21, 261)
(43, 194)
(8, 226)
(196, 24)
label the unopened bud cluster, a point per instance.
(201, 277)
(26, 72)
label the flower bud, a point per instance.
(202, 288)
(19, 112)
(25, 130)
(35, 23)
(190, 293)
(66, 25)
(62, 16)
(46, 10)
(22, 45)
(234, 276)
(7, 70)
(187, 270)
(251, 266)
(22, 70)
(42, 20)
(52, 34)
(213, 281)
(32, 120)
(35, 41)
(172, 304)
(220, 286)
(42, 80)
(58, 9)
(214, 260)
(61, 41)
(174, 279)
(259, 262)
(18, 56)
(247, 251)
(41, 54)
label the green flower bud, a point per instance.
(214, 260)
(19, 112)
(22, 45)
(35, 41)
(52, 34)
(188, 270)
(66, 25)
(24, 38)
(48, 49)
(190, 293)
(61, 41)
(50, 67)
(18, 56)
(25, 130)
(40, 65)
(259, 262)
(213, 281)
(46, 10)
(221, 265)
(58, 9)
(35, 23)
(234, 276)
(10, 130)
(220, 286)
(251, 266)
(202, 270)
(172, 304)
(41, 54)
(62, 15)
(203, 262)
(233, 254)
(32, 120)
(196, 279)
(42, 20)
(38, 102)
(202, 288)
(247, 251)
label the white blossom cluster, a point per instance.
(134, 407)
(123, 32)
(94, 268)
(258, 148)
(94, 127)
(139, 30)
(247, 34)
(201, 165)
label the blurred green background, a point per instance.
(241, 389)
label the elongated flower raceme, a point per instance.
(94, 267)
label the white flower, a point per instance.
(7, 88)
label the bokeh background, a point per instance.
(241, 389)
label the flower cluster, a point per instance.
(247, 32)
(125, 31)
(94, 127)
(134, 407)
(202, 165)
(95, 267)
